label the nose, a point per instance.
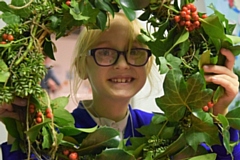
(121, 63)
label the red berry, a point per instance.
(31, 110)
(48, 110)
(3, 42)
(32, 106)
(68, 3)
(184, 8)
(196, 24)
(182, 23)
(205, 108)
(210, 104)
(188, 23)
(183, 14)
(66, 152)
(73, 156)
(10, 38)
(39, 114)
(187, 17)
(49, 115)
(39, 120)
(4, 36)
(177, 19)
(204, 16)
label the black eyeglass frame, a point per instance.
(124, 53)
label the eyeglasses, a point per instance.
(107, 56)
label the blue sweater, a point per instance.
(139, 118)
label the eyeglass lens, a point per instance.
(107, 56)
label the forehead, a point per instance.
(120, 29)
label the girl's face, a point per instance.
(119, 80)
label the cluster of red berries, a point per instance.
(68, 2)
(6, 38)
(189, 17)
(70, 155)
(208, 106)
(39, 115)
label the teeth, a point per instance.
(121, 80)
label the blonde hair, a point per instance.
(88, 38)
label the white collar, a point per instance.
(119, 126)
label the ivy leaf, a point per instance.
(116, 154)
(181, 95)
(102, 138)
(200, 132)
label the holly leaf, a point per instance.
(116, 154)
(233, 118)
(102, 138)
(135, 4)
(181, 95)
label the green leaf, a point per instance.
(10, 18)
(130, 13)
(34, 131)
(213, 27)
(219, 92)
(60, 102)
(11, 126)
(181, 95)
(200, 132)
(15, 145)
(63, 118)
(102, 20)
(4, 73)
(48, 47)
(116, 154)
(104, 5)
(4, 7)
(179, 38)
(47, 138)
(204, 59)
(102, 138)
(174, 147)
(71, 131)
(234, 118)
(158, 118)
(134, 4)
(210, 156)
(223, 121)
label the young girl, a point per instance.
(117, 66)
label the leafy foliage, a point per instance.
(181, 49)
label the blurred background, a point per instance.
(143, 100)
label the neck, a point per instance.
(114, 110)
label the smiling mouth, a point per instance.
(122, 80)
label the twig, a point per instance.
(16, 7)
